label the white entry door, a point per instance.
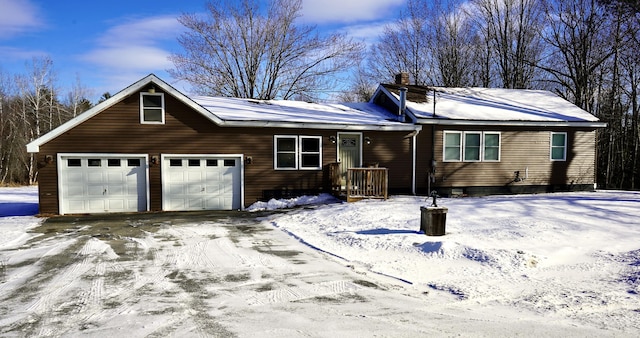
(201, 182)
(100, 183)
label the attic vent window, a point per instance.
(152, 108)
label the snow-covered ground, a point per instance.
(564, 264)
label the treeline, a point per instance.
(587, 51)
(30, 106)
(584, 50)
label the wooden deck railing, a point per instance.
(367, 183)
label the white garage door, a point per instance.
(102, 183)
(201, 182)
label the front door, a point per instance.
(349, 153)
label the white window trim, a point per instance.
(480, 146)
(564, 153)
(162, 108)
(499, 145)
(444, 146)
(297, 152)
(300, 152)
(462, 151)
(275, 151)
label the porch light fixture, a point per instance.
(367, 140)
(248, 160)
(154, 160)
(48, 159)
(332, 139)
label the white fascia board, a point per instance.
(34, 146)
(273, 124)
(586, 124)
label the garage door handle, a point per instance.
(104, 192)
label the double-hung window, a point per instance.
(293, 152)
(491, 146)
(558, 149)
(452, 146)
(152, 108)
(471, 146)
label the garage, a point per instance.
(201, 182)
(101, 183)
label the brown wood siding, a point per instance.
(391, 150)
(118, 130)
(522, 149)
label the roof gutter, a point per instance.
(451, 122)
(271, 124)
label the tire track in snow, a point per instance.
(295, 293)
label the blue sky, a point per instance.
(111, 44)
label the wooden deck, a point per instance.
(359, 183)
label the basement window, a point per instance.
(152, 108)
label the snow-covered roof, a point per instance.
(252, 113)
(493, 106)
(273, 112)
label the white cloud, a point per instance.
(19, 54)
(129, 58)
(126, 52)
(369, 33)
(147, 31)
(18, 16)
(348, 11)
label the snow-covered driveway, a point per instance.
(519, 268)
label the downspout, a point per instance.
(415, 151)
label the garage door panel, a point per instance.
(95, 176)
(115, 190)
(75, 190)
(116, 204)
(95, 190)
(96, 204)
(115, 177)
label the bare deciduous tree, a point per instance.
(242, 50)
(404, 46)
(513, 28)
(455, 46)
(576, 33)
(76, 101)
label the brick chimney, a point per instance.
(402, 79)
